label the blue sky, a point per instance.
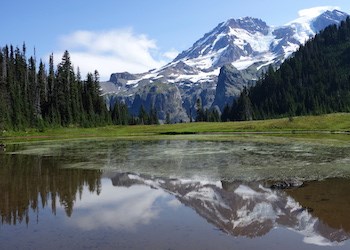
(130, 35)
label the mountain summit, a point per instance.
(247, 40)
(228, 43)
(245, 46)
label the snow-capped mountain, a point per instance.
(247, 45)
(245, 41)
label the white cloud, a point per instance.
(117, 207)
(316, 11)
(307, 15)
(112, 51)
(171, 54)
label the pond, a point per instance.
(111, 194)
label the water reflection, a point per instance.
(249, 209)
(202, 160)
(31, 183)
(97, 194)
(327, 200)
(124, 208)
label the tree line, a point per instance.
(120, 115)
(206, 115)
(32, 96)
(316, 80)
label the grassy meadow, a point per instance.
(298, 127)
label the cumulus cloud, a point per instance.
(112, 51)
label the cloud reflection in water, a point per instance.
(123, 208)
(244, 209)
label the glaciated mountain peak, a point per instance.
(227, 42)
(289, 37)
(328, 18)
(309, 15)
(248, 40)
(247, 44)
(250, 24)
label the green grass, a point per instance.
(296, 127)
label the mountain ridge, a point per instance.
(248, 44)
(314, 81)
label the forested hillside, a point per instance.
(316, 80)
(31, 97)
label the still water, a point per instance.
(174, 195)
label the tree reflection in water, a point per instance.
(30, 182)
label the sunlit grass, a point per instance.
(298, 127)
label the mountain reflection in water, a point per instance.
(31, 185)
(252, 210)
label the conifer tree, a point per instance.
(167, 118)
(65, 77)
(314, 81)
(43, 88)
(200, 112)
(143, 116)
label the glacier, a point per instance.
(245, 46)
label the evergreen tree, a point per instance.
(32, 98)
(51, 114)
(143, 116)
(153, 116)
(200, 117)
(167, 118)
(226, 113)
(65, 77)
(314, 81)
(120, 114)
(3, 91)
(43, 88)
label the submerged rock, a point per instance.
(285, 184)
